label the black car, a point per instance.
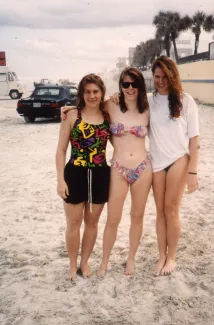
(46, 101)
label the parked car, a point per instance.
(46, 101)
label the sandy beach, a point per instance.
(34, 289)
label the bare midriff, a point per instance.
(129, 150)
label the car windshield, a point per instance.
(15, 76)
(46, 91)
(73, 91)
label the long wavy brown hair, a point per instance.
(90, 79)
(137, 76)
(168, 66)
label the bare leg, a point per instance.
(139, 194)
(74, 215)
(159, 188)
(175, 184)
(89, 236)
(118, 191)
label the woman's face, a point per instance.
(129, 88)
(92, 95)
(161, 82)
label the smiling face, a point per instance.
(161, 81)
(130, 93)
(92, 95)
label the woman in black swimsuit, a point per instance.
(84, 182)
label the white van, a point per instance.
(9, 84)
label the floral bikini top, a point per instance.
(119, 129)
(88, 142)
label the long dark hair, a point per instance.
(137, 76)
(168, 66)
(90, 79)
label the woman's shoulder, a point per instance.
(188, 100)
(150, 97)
(73, 111)
(72, 114)
(110, 106)
(110, 103)
(186, 96)
(189, 106)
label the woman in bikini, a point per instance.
(174, 144)
(131, 167)
(83, 183)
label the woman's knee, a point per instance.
(160, 214)
(91, 223)
(171, 210)
(113, 222)
(137, 218)
(73, 225)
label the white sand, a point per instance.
(33, 258)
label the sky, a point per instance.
(70, 38)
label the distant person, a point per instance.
(83, 183)
(131, 166)
(174, 144)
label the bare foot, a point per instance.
(159, 266)
(130, 266)
(85, 271)
(169, 267)
(72, 273)
(102, 270)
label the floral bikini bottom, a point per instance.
(131, 174)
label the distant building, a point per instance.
(131, 54)
(184, 48)
(211, 49)
(121, 63)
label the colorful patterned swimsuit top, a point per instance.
(89, 142)
(119, 129)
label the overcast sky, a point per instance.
(69, 38)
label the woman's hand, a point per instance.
(192, 183)
(64, 110)
(62, 189)
(115, 98)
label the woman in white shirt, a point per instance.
(174, 145)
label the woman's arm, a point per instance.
(192, 180)
(64, 110)
(191, 109)
(64, 135)
(115, 98)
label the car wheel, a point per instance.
(29, 119)
(14, 94)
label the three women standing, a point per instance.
(172, 119)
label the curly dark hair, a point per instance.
(169, 67)
(137, 76)
(90, 79)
